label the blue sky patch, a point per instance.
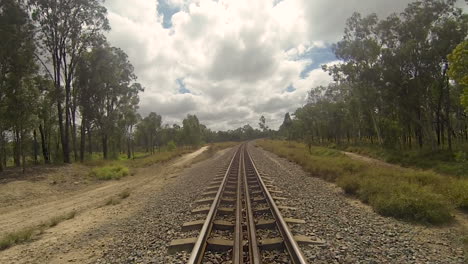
(167, 11)
(182, 88)
(291, 88)
(318, 56)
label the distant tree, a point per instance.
(285, 128)
(262, 124)
(191, 130)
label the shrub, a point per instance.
(171, 145)
(349, 184)
(109, 172)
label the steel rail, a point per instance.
(288, 239)
(254, 251)
(238, 250)
(199, 248)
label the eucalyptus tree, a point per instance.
(391, 74)
(458, 69)
(191, 130)
(66, 29)
(17, 68)
(107, 92)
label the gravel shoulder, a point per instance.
(98, 228)
(351, 231)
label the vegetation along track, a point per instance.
(244, 224)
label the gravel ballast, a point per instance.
(351, 232)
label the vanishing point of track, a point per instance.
(243, 209)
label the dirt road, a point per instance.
(89, 203)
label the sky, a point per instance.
(231, 61)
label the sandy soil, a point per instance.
(24, 204)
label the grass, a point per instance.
(112, 172)
(119, 168)
(17, 237)
(58, 219)
(408, 194)
(27, 234)
(118, 199)
(442, 161)
(161, 156)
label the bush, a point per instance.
(171, 145)
(109, 172)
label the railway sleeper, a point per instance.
(268, 209)
(270, 223)
(277, 242)
(197, 224)
(221, 210)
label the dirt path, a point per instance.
(91, 212)
(370, 160)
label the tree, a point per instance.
(458, 69)
(286, 126)
(107, 93)
(262, 124)
(17, 90)
(191, 130)
(67, 29)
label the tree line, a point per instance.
(402, 82)
(66, 94)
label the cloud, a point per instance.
(228, 61)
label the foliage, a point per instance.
(171, 145)
(412, 195)
(113, 172)
(458, 71)
(191, 130)
(391, 88)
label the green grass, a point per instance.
(112, 172)
(408, 194)
(27, 234)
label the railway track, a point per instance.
(243, 222)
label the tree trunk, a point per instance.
(45, 150)
(129, 152)
(82, 139)
(104, 146)
(449, 124)
(63, 134)
(35, 147)
(66, 157)
(23, 158)
(16, 149)
(1, 151)
(74, 140)
(90, 142)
